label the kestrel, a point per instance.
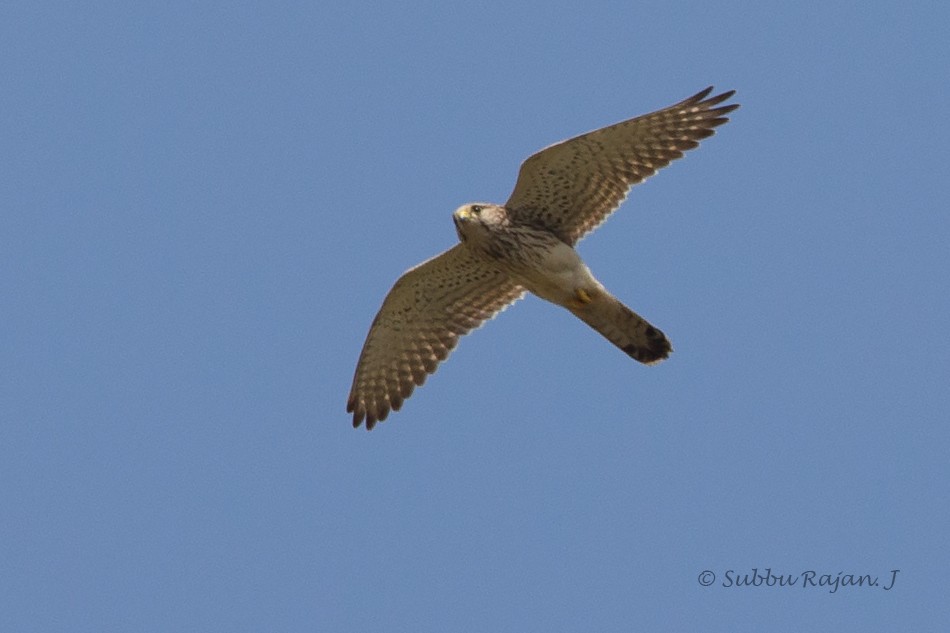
(563, 192)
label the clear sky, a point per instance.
(202, 206)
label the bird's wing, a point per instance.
(419, 324)
(571, 187)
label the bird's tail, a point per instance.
(623, 327)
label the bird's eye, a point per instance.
(476, 208)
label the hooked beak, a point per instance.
(458, 218)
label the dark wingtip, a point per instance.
(357, 417)
(722, 96)
(375, 417)
(719, 112)
(719, 98)
(351, 408)
(703, 99)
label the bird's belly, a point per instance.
(558, 275)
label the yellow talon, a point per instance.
(581, 298)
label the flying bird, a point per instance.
(527, 244)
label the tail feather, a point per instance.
(624, 328)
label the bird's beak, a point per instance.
(464, 213)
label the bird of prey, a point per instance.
(527, 244)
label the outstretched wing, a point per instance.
(571, 187)
(421, 320)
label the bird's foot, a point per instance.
(581, 298)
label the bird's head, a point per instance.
(478, 219)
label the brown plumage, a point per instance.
(563, 192)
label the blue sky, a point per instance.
(204, 204)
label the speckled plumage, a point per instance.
(571, 187)
(419, 324)
(563, 192)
